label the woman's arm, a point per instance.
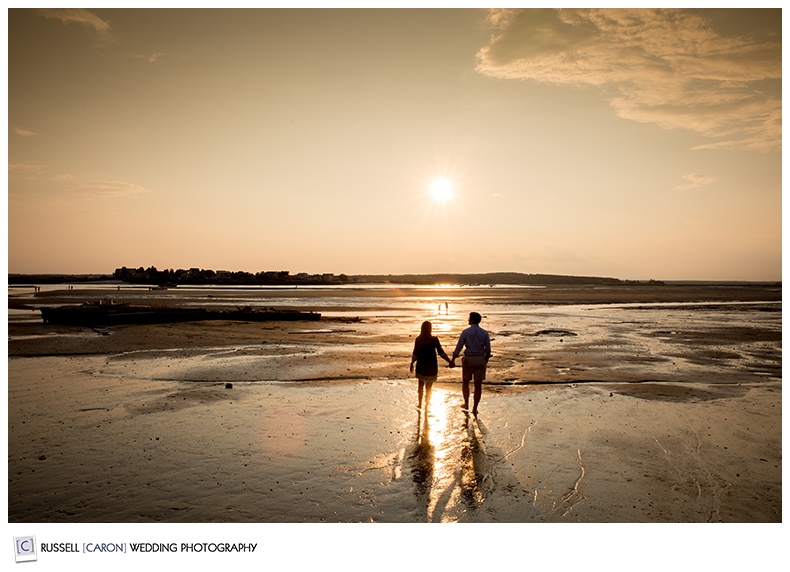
(440, 350)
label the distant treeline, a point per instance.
(206, 276)
(152, 275)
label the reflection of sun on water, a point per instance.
(447, 461)
(438, 415)
(441, 326)
(442, 286)
(438, 434)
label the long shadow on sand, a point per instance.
(458, 476)
(421, 460)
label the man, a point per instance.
(476, 356)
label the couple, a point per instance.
(478, 351)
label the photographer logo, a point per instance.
(25, 548)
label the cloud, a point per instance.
(109, 189)
(695, 181)
(100, 28)
(26, 169)
(150, 58)
(22, 132)
(667, 67)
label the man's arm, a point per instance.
(460, 345)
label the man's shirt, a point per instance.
(476, 341)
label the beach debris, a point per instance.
(108, 312)
(555, 332)
(228, 386)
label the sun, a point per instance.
(441, 190)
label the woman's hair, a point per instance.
(425, 329)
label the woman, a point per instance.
(426, 347)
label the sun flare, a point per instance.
(441, 190)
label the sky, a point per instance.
(635, 144)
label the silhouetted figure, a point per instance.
(476, 356)
(426, 346)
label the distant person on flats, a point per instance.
(476, 356)
(426, 346)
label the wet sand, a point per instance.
(646, 422)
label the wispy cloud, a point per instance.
(668, 67)
(22, 132)
(694, 181)
(150, 58)
(100, 28)
(111, 189)
(93, 189)
(26, 169)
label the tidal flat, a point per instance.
(627, 404)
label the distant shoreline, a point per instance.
(507, 278)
